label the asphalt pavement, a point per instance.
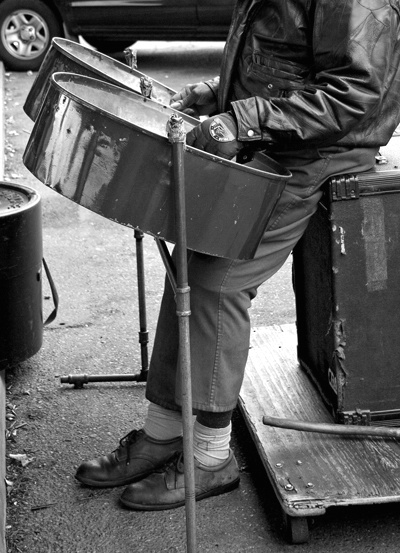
(93, 263)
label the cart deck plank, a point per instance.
(309, 471)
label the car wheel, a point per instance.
(26, 30)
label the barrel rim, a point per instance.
(284, 173)
(34, 198)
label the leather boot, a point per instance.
(165, 489)
(137, 456)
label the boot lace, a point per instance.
(124, 445)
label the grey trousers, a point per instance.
(221, 290)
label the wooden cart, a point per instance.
(309, 472)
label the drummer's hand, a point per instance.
(216, 135)
(195, 99)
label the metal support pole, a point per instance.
(143, 332)
(177, 139)
(168, 262)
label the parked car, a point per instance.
(27, 26)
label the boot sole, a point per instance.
(167, 506)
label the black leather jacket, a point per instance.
(299, 73)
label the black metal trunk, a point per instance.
(347, 283)
(21, 320)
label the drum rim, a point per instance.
(283, 173)
(106, 84)
(58, 45)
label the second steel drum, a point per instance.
(71, 57)
(107, 149)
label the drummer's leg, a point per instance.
(221, 291)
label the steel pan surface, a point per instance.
(71, 57)
(107, 149)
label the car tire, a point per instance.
(26, 30)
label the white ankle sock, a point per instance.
(211, 445)
(162, 424)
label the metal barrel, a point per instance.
(21, 319)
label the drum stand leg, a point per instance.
(143, 332)
(78, 380)
(182, 295)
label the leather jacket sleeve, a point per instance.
(355, 58)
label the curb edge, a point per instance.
(3, 498)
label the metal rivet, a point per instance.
(289, 487)
(250, 133)
(270, 85)
(310, 485)
(279, 465)
(299, 462)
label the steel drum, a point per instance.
(72, 57)
(107, 149)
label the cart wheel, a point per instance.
(296, 529)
